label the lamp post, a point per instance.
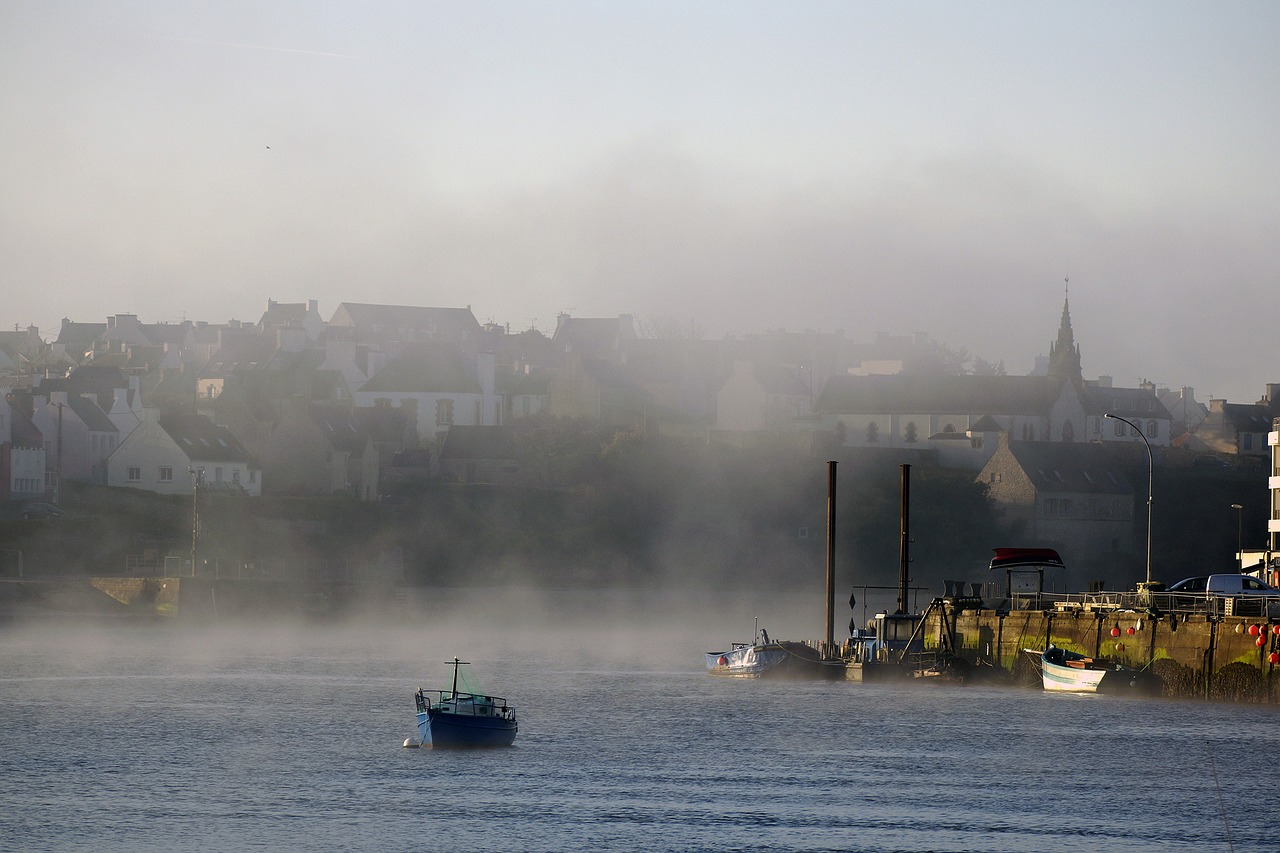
(197, 475)
(1239, 508)
(1151, 477)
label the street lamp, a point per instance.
(1239, 508)
(1151, 477)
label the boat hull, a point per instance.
(1065, 679)
(746, 661)
(443, 730)
(1066, 672)
(771, 660)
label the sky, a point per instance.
(721, 167)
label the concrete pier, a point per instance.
(1193, 655)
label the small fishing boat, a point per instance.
(463, 718)
(1069, 672)
(764, 657)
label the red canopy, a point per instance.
(1009, 558)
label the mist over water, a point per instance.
(287, 736)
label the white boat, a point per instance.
(1068, 672)
(764, 657)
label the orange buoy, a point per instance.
(1115, 632)
(1274, 657)
(1253, 630)
(1275, 629)
(1260, 642)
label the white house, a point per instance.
(164, 454)
(445, 387)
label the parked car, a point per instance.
(39, 509)
(1229, 586)
(1190, 585)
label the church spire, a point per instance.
(1064, 354)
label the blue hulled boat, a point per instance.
(459, 718)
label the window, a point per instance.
(166, 474)
(1153, 429)
(1248, 440)
(217, 474)
(1120, 427)
(912, 434)
(444, 412)
(235, 476)
(134, 474)
(873, 433)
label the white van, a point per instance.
(1231, 584)
(1238, 585)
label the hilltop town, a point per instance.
(379, 404)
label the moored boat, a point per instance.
(763, 657)
(1068, 672)
(463, 718)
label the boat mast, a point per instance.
(831, 555)
(456, 663)
(904, 545)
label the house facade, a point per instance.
(441, 385)
(1071, 496)
(165, 454)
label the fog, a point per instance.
(869, 167)
(426, 627)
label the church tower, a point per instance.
(1064, 354)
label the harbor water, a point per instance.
(156, 737)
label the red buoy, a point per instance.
(1253, 630)
(1275, 629)
(723, 661)
(1260, 642)
(1115, 632)
(1131, 631)
(1274, 657)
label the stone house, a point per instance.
(482, 454)
(1074, 497)
(319, 450)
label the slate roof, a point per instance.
(90, 414)
(340, 427)
(24, 433)
(283, 314)
(593, 336)
(77, 338)
(1247, 417)
(874, 395)
(478, 442)
(425, 368)
(405, 323)
(1071, 467)
(1132, 403)
(203, 440)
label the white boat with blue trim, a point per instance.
(1063, 671)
